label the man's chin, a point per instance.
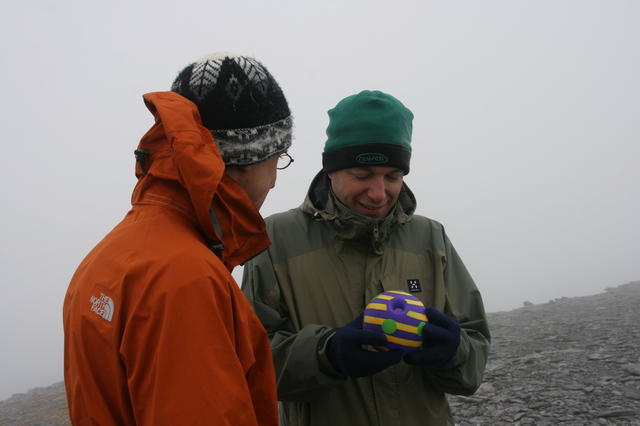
(373, 213)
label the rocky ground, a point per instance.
(572, 361)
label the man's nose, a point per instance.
(377, 190)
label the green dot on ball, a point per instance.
(420, 327)
(389, 326)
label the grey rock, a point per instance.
(632, 369)
(631, 393)
(618, 413)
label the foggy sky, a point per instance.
(525, 145)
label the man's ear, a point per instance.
(236, 172)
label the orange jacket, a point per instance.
(157, 331)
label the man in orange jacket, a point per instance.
(157, 331)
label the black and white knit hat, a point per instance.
(240, 103)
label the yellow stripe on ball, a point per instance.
(372, 320)
(404, 342)
(377, 306)
(407, 328)
(417, 315)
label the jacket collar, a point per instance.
(181, 167)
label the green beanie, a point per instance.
(371, 128)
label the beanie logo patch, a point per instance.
(372, 158)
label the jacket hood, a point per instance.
(322, 204)
(178, 149)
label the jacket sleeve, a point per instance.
(191, 355)
(463, 374)
(303, 371)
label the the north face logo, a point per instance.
(102, 306)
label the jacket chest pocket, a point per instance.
(321, 289)
(413, 274)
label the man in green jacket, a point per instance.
(354, 237)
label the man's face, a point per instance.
(257, 179)
(371, 191)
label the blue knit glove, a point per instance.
(346, 354)
(441, 339)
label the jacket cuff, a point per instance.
(462, 353)
(323, 360)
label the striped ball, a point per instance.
(399, 316)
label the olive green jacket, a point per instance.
(324, 265)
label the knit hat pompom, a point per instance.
(240, 103)
(370, 128)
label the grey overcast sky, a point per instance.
(526, 132)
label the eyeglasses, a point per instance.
(284, 161)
